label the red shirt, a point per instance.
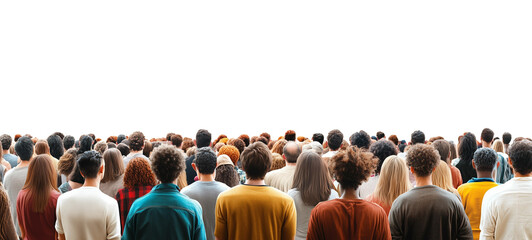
(37, 225)
(126, 197)
(457, 177)
(348, 219)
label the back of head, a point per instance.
(318, 137)
(205, 160)
(394, 139)
(487, 135)
(521, 157)
(423, 159)
(417, 137)
(335, 139)
(279, 146)
(382, 149)
(24, 148)
(314, 147)
(203, 138)
(230, 151)
(443, 148)
(467, 147)
(89, 163)
(277, 162)
(56, 146)
(239, 144)
(485, 159)
(176, 140)
(187, 143)
(120, 138)
(291, 151)
(167, 163)
(100, 147)
(138, 173)
(380, 135)
(6, 141)
(312, 179)
(85, 144)
(498, 146)
(41, 147)
(266, 135)
(227, 174)
(256, 161)
(393, 180)
(67, 162)
(360, 139)
(290, 135)
(506, 138)
(68, 142)
(245, 139)
(352, 167)
(114, 164)
(442, 177)
(123, 148)
(41, 179)
(136, 141)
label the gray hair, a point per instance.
(314, 147)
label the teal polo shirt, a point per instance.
(164, 213)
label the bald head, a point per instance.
(291, 151)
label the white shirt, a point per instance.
(87, 213)
(281, 179)
(507, 211)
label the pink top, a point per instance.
(37, 225)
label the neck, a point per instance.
(423, 181)
(350, 193)
(255, 182)
(5, 151)
(486, 144)
(484, 174)
(291, 164)
(92, 182)
(135, 152)
(74, 185)
(23, 163)
(523, 175)
(206, 177)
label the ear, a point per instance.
(510, 162)
(194, 167)
(284, 157)
(102, 167)
(473, 164)
(412, 170)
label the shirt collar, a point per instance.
(166, 187)
(480, 180)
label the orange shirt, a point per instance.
(457, 177)
(384, 206)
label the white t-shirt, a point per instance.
(87, 213)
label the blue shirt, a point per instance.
(11, 159)
(164, 213)
(480, 180)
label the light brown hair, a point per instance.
(41, 147)
(498, 146)
(312, 179)
(41, 180)
(114, 165)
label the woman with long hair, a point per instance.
(466, 150)
(393, 181)
(312, 184)
(42, 147)
(138, 181)
(7, 228)
(113, 176)
(225, 171)
(441, 177)
(37, 200)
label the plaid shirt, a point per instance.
(126, 197)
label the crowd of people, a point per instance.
(293, 187)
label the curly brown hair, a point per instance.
(187, 143)
(227, 174)
(352, 167)
(278, 146)
(167, 163)
(245, 138)
(230, 151)
(138, 173)
(423, 159)
(238, 143)
(136, 141)
(277, 162)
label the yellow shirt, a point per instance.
(472, 194)
(255, 212)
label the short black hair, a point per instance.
(291, 155)
(120, 138)
(380, 135)
(89, 163)
(360, 139)
(203, 138)
(85, 144)
(56, 146)
(59, 134)
(335, 139)
(506, 138)
(6, 141)
(24, 148)
(123, 148)
(382, 149)
(401, 147)
(485, 159)
(521, 156)
(205, 160)
(136, 141)
(417, 137)
(167, 163)
(68, 142)
(487, 135)
(75, 175)
(318, 137)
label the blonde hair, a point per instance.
(393, 180)
(498, 146)
(442, 177)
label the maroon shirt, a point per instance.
(348, 219)
(126, 197)
(37, 225)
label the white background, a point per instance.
(233, 67)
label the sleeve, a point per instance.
(113, 222)
(220, 227)
(290, 221)
(199, 232)
(396, 221)
(384, 231)
(487, 218)
(313, 231)
(464, 227)
(58, 223)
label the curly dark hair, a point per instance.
(138, 173)
(187, 143)
(68, 142)
(167, 163)
(382, 149)
(485, 159)
(506, 138)
(85, 144)
(205, 160)
(417, 137)
(6, 141)
(521, 156)
(487, 135)
(360, 139)
(423, 158)
(318, 137)
(335, 139)
(290, 135)
(203, 138)
(89, 163)
(136, 141)
(352, 167)
(239, 144)
(227, 174)
(176, 140)
(245, 138)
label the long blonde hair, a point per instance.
(442, 177)
(393, 180)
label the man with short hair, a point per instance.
(68, 142)
(444, 149)
(136, 146)
(472, 192)
(486, 137)
(282, 178)
(318, 137)
(417, 137)
(206, 189)
(165, 213)
(87, 212)
(334, 141)
(255, 210)
(6, 144)
(203, 139)
(360, 139)
(507, 209)
(427, 211)
(176, 140)
(15, 178)
(506, 139)
(380, 135)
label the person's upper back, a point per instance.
(131, 156)
(11, 159)
(429, 212)
(281, 179)
(164, 213)
(255, 212)
(13, 182)
(472, 194)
